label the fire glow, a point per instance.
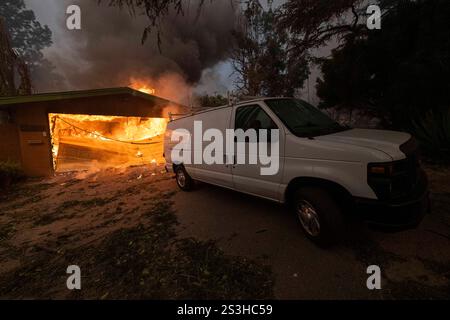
(80, 141)
(141, 86)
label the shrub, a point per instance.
(10, 172)
(433, 133)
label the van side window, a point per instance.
(253, 117)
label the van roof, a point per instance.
(253, 100)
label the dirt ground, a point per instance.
(134, 235)
(119, 227)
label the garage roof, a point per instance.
(55, 96)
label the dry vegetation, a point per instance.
(120, 229)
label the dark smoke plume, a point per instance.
(107, 52)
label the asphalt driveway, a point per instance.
(414, 263)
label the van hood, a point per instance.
(385, 141)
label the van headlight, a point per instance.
(392, 179)
(381, 169)
(379, 179)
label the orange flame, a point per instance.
(135, 140)
(140, 85)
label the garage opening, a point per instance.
(84, 142)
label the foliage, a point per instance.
(28, 36)
(433, 131)
(156, 11)
(27, 39)
(345, 77)
(313, 23)
(10, 172)
(11, 65)
(400, 71)
(211, 101)
(260, 57)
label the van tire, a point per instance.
(312, 205)
(184, 180)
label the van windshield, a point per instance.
(302, 119)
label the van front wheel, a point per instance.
(184, 181)
(319, 215)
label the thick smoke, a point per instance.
(107, 52)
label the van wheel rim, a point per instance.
(181, 178)
(308, 218)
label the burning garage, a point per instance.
(78, 130)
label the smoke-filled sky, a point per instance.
(108, 52)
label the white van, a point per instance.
(326, 171)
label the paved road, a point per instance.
(415, 264)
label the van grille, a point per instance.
(405, 176)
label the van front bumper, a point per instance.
(403, 213)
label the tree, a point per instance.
(260, 56)
(156, 11)
(400, 71)
(312, 23)
(211, 101)
(10, 66)
(397, 67)
(346, 79)
(28, 36)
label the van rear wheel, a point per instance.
(319, 215)
(184, 181)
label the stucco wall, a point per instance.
(9, 143)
